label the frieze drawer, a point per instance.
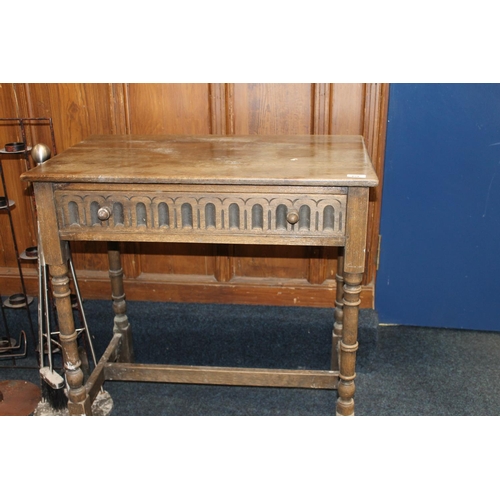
(264, 218)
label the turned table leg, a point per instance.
(353, 268)
(56, 255)
(78, 400)
(121, 324)
(339, 310)
(349, 344)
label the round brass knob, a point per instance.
(40, 153)
(104, 213)
(292, 216)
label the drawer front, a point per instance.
(200, 217)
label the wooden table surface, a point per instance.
(302, 160)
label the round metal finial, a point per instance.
(40, 153)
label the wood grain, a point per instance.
(322, 108)
(302, 160)
(257, 377)
(184, 109)
(347, 108)
(272, 108)
(375, 127)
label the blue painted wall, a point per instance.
(440, 225)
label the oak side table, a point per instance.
(281, 190)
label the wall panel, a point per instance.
(185, 109)
(169, 108)
(347, 108)
(272, 108)
(77, 109)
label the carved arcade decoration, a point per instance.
(198, 215)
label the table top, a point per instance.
(298, 160)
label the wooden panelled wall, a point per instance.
(182, 272)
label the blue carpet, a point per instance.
(400, 370)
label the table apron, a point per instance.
(199, 217)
